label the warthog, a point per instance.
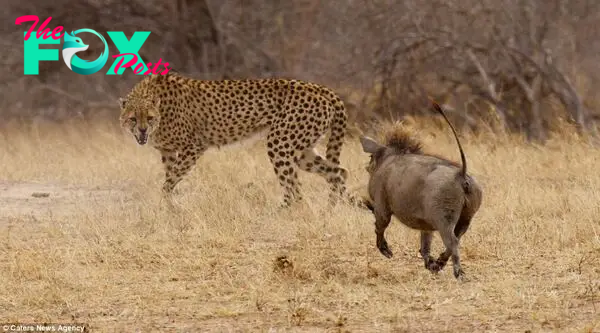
(424, 191)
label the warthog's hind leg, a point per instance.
(451, 242)
(459, 230)
(425, 250)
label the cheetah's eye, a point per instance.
(150, 118)
(132, 119)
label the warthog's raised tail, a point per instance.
(438, 108)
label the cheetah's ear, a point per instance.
(122, 102)
(369, 145)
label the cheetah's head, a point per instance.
(140, 116)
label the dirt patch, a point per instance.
(19, 199)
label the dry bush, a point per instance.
(100, 249)
(529, 64)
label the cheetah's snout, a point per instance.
(142, 137)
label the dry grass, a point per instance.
(99, 249)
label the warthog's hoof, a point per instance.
(384, 249)
(433, 266)
(459, 274)
(440, 263)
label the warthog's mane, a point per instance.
(404, 141)
(401, 139)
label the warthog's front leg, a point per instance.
(382, 220)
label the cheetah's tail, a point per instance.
(339, 123)
(338, 131)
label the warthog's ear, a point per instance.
(369, 145)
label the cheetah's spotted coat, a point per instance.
(182, 117)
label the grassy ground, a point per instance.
(84, 239)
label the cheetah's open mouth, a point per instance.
(142, 138)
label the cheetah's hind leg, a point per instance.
(311, 161)
(171, 204)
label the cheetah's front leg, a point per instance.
(177, 165)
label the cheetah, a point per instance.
(182, 117)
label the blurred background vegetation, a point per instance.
(521, 66)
